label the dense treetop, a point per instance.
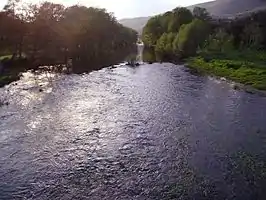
(181, 33)
(50, 34)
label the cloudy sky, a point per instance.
(127, 8)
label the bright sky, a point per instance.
(127, 8)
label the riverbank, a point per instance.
(6, 79)
(12, 69)
(248, 68)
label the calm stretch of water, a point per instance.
(146, 133)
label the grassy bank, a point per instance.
(6, 79)
(11, 70)
(248, 68)
(5, 57)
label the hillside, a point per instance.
(135, 23)
(224, 8)
(221, 8)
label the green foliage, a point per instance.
(100, 39)
(5, 57)
(175, 33)
(190, 37)
(220, 41)
(181, 34)
(149, 55)
(246, 72)
(164, 46)
(179, 17)
(152, 31)
(248, 31)
(252, 36)
(166, 20)
(201, 13)
(170, 22)
(8, 79)
(51, 34)
(245, 32)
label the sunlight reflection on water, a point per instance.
(150, 132)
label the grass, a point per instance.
(9, 75)
(6, 79)
(4, 57)
(242, 67)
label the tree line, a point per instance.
(181, 33)
(52, 34)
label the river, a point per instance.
(150, 132)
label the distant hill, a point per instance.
(224, 8)
(220, 8)
(135, 23)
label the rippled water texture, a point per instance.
(152, 132)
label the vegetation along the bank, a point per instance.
(233, 48)
(78, 38)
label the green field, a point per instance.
(248, 68)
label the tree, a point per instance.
(13, 28)
(190, 37)
(43, 41)
(201, 13)
(220, 41)
(165, 21)
(11, 7)
(164, 46)
(152, 31)
(169, 22)
(97, 35)
(50, 34)
(179, 17)
(252, 36)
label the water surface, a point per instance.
(152, 132)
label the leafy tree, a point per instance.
(165, 20)
(201, 13)
(12, 31)
(220, 41)
(164, 46)
(11, 7)
(45, 25)
(152, 31)
(50, 34)
(190, 37)
(179, 17)
(252, 36)
(169, 22)
(13, 28)
(99, 36)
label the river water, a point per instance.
(151, 132)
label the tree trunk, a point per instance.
(20, 47)
(14, 55)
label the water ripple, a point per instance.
(151, 132)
